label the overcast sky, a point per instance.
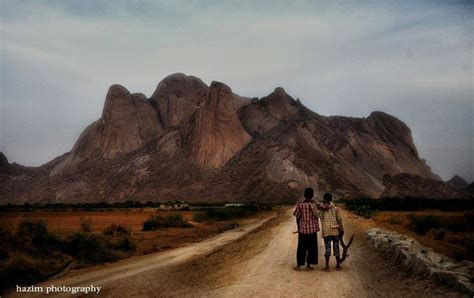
(414, 61)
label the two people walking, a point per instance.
(307, 214)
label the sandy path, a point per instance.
(271, 272)
(257, 265)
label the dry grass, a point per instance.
(66, 222)
(449, 244)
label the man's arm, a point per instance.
(322, 206)
(339, 221)
(297, 214)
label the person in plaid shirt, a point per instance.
(332, 228)
(307, 222)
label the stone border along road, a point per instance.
(422, 260)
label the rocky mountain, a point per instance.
(194, 142)
(407, 185)
(457, 183)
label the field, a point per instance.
(35, 245)
(66, 222)
(451, 237)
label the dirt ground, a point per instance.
(256, 260)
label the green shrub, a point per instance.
(89, 248)
(32, 236)
(124, 243)
(5, 241)
(469, 242)
(469, 217)
(439, 234)
(199, 216)
(455, 226)
(20, 270)
(394, 220)
(171, 221)
(86, 224)
(221, 214)
(364, 211)
(424, 223)
(116, 230)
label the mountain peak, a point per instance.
(117, 90)
(457, 182)
(177, 97)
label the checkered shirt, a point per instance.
(307, 220)
(331, 221)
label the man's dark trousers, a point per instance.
(307, 249)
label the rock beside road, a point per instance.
(422, 260)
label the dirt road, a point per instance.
(254, 261)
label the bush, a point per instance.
(124, 243)
(394, 220)
(364, 211)
(32, 236)
(199, 216)
(438, 234)
(221, 214)
(424, 223)
(5, 240)
(410, 204)
(116, 230)
(469, 217)
(171, 221)
(469, 242)
(88, 247)
(86, 224)
(20, 270)
(454, 226)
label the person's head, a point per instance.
(308, 193)
(327, 197)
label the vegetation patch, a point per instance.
(32, 253)
(410, 204)
(222, 214)
(171, 221)
(394, 220)
(423, 223)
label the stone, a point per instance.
(422, 260)
(434, 257)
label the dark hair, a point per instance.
(308, 193)
(327, 197)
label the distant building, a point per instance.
(234, 205)
(175, 206)
(165, 207)
(180, 206)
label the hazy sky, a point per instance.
(414, 61)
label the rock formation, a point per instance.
(128, 122)
(408, 185)
(457, 183)
(194, 142)
(177, 97)
(216, 132)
